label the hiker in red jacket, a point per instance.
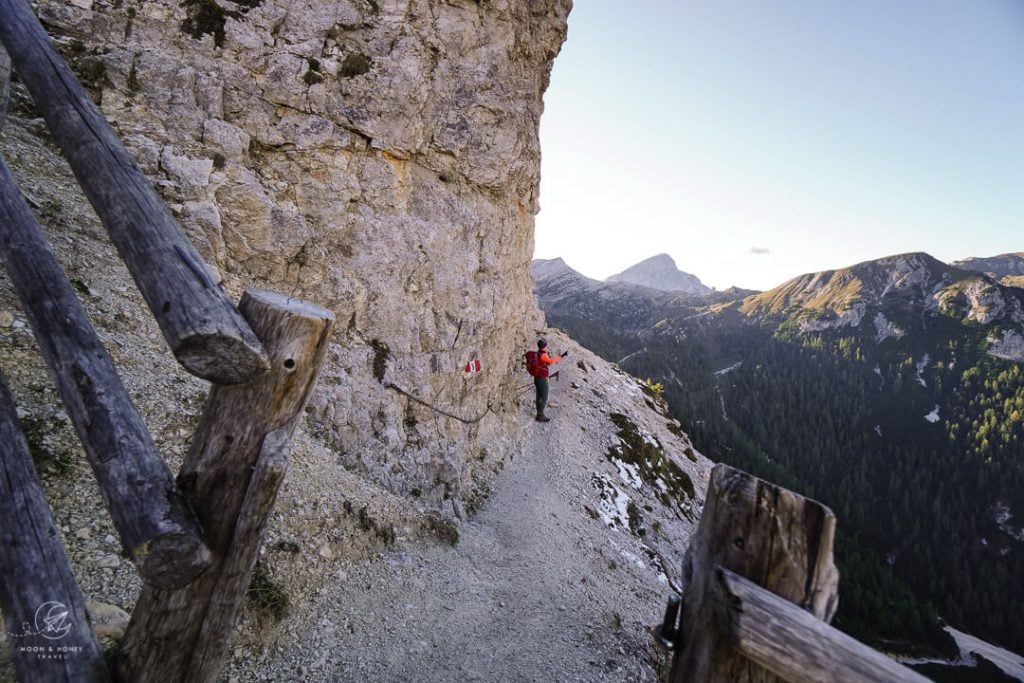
(537, 364)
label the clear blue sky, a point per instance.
(757, 140)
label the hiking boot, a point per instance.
(542, 418)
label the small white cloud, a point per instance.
(760, 251)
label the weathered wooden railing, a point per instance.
(760, 588)
(5, 78)
(194, 540)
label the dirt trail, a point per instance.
(534, 590)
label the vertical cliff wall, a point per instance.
(379, 157)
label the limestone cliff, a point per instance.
(378, 157)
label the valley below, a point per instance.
(890, 391)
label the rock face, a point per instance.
(660, 272)
(378, 157)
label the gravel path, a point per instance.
(534, 590)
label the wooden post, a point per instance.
(792, 642)
(774, 537)
(46, 622)
(5, 85)
(158, 531)
(231, 476)
(205, 332)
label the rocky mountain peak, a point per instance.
(1008, 268)
(661, 272)
(545, 268)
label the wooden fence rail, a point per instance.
(792, 642)
(158, 531)
(5, 85)
(194, 539)
(760, 588)
(48, 612)
(202, 327)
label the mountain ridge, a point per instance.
(897, 294)
(1001, 266)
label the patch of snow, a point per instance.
(650, 440)
(612, 504)
(729, 369)
(628, 473)
(920, 368)
(933, 416)
(1002, 520)
(1011, 663)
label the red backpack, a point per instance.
(534, 366)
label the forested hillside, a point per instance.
(908, 428)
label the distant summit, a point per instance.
(660, 272)
(1007, 268)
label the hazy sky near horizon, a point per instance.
(758, 140)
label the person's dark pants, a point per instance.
(542, 394)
